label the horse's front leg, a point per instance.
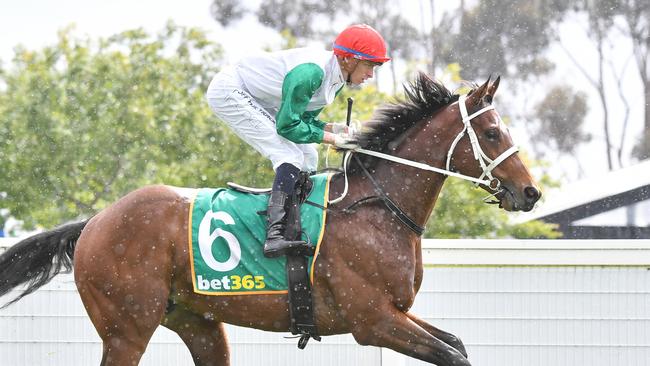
(389, 327)
(446, 337)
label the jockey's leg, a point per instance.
(253, 124)
(310, 157)
(276, 244)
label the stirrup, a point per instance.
(273, 249)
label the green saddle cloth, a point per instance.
(227, 235)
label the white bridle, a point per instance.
(476, 147)
(491, 182)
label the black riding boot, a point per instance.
(276, 244)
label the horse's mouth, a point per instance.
(504, 197)
(508, 201)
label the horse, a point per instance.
(132, 267)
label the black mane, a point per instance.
(424, 96)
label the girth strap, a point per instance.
(301, 308)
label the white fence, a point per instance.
(512, 302)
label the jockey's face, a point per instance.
(358, 71)
(364, 71)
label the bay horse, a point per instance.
(132, 267)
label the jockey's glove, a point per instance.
(352, 131)
(345, 141)
(338, 128)
(341, 128)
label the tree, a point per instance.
(84, 122)
(503, 37)
(561, 117)
(461, 213)
(600, 20)
(512, 38)
(610, 23)
(226, 12)
(636, 14)
(297, 16)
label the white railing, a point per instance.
(508, 252)
(498, 252)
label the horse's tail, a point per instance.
(37, 259)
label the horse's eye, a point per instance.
(492, 134)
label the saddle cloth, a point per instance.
(226, 236)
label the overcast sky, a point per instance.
(34, 23)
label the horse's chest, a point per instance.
(403, 292)
(400, 281)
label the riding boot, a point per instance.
(276, 244)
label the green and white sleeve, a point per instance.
(293, 122)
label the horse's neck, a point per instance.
(414, 190)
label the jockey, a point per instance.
(272, 102)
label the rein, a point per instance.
(492, 183)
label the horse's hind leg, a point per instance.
(448, 338)
(125, 304)
(206, 339)
(125, 320)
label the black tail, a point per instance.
(37, 259)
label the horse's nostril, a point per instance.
(532, 193)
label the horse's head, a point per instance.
(484, 149)
(464, 132)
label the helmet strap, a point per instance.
(348, 81)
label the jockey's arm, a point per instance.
(293, 122)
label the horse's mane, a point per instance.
(424, 96)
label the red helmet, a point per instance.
(362, 42)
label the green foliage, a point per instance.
(366, 101)
(461, 213)
(520, 54)
(561, 115)
(227, 11)
(288, 39)
(83, 123)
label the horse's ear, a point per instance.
(478, 94)
(492, 89)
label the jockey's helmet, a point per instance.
(362, 42)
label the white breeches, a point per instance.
(229, 101)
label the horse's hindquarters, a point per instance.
(124, 263)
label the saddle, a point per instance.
(303, 188)
(245, 189)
